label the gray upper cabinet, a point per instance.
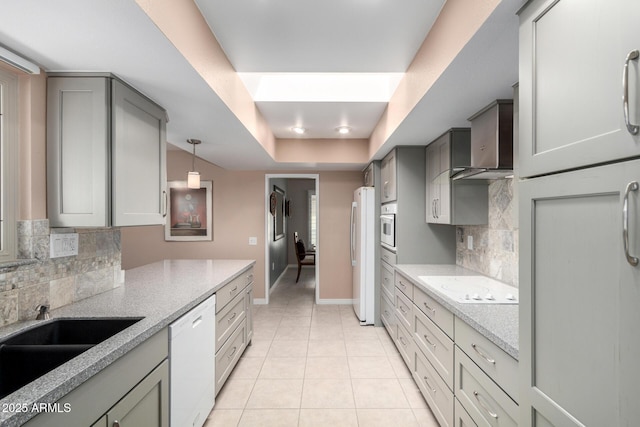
(388, 168)
(447, 201)
(106, 154)
(572, 57)
(579, 317)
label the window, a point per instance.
(313, 209)
(8, 164)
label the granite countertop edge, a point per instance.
(61, 381)
(502, 330)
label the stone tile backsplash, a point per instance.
(57, 281)
(495, 245)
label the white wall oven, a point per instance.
(388, 226)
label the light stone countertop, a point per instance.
(160, 292)
(497, 322)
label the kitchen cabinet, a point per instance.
(369, 176)
(572, 56)
(579, 297)
(453, 202)
(133, 390)
(106, 153)
(388, 168)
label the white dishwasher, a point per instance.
(192, 352)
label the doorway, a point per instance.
(301, 215)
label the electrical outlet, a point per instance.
(64, 244)
(470, 243)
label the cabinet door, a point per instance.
(147, 405)
(248, 301)
(572, 54)
(78, 151)
(139, 159)
(579, 344)
(388, 174)
(432, 184)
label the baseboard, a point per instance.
(259, 301)
(335, 301)
(277, 282)
(304, 266)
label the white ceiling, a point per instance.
(331, 36)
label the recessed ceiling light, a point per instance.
(298, 129)
(343, 130)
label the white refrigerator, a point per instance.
(362, 253)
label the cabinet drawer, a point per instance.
(229, 355)
(404, 311)
(405, 345)
(486, 403)
(433, 388)
(405, 285)
(229, 291)
(228, 319)
(387, 314)
(462, 417)
(388, 256)
(434, 311)
(497, 364)
(387, 280)
(435, 344)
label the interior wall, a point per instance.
(278, 249)
(239, 213)
(298, 190)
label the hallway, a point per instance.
(314, 365)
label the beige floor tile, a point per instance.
(327, 367)
(295, 321)
(425, 418)
(288, 348)
(327, 348)
(248, 368)
(279, 394)
(326, 332)
(234, 394)
(371, 367)
(398, 365)
(412, 393)
(264, 333)
(386, 418)
(269, 418)
(223, 418)
(258, 348)
(283, 368)
(360, 333)
(328, 418)
(289, 333)
(364, 348)
(379, 393)
(327, 393)
(297, 310)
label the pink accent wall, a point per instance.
(239, 212)
(322, 151)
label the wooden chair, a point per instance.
(302, 255)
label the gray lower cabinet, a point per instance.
(106, 153)
(579, 316)
(132, 391)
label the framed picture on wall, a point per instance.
(189, 212)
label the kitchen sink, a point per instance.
(37, 350)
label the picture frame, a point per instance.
(278, 217)
(189, 212)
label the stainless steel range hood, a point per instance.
(491, 143)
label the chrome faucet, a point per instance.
(43, 312)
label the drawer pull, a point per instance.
(429, 342)
(233, 351)
(403, 310)
(484, 405)
(402, 341)
(483, 355)
(386, 312)
(386, 280)
(432, 310)
(250, 277)
(233, 290)
(426, 381)
(402, 284)
(232, 317)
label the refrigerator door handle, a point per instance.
(354, 205)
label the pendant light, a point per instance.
(193, 177)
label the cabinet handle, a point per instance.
(164, 204)
(483, 354)
(386, 312)
(632, 186)
(232, 352)
(402, 310)
(232, 317)
(250, 277)
(432, 310)
(426, 381)
(631, 56)
(484, 406)
(401, 339)
(429, 341)
(233, 290)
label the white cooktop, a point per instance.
(472, 289)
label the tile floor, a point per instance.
(314, 365)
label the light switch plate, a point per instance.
(65, 244)
(253, 241)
